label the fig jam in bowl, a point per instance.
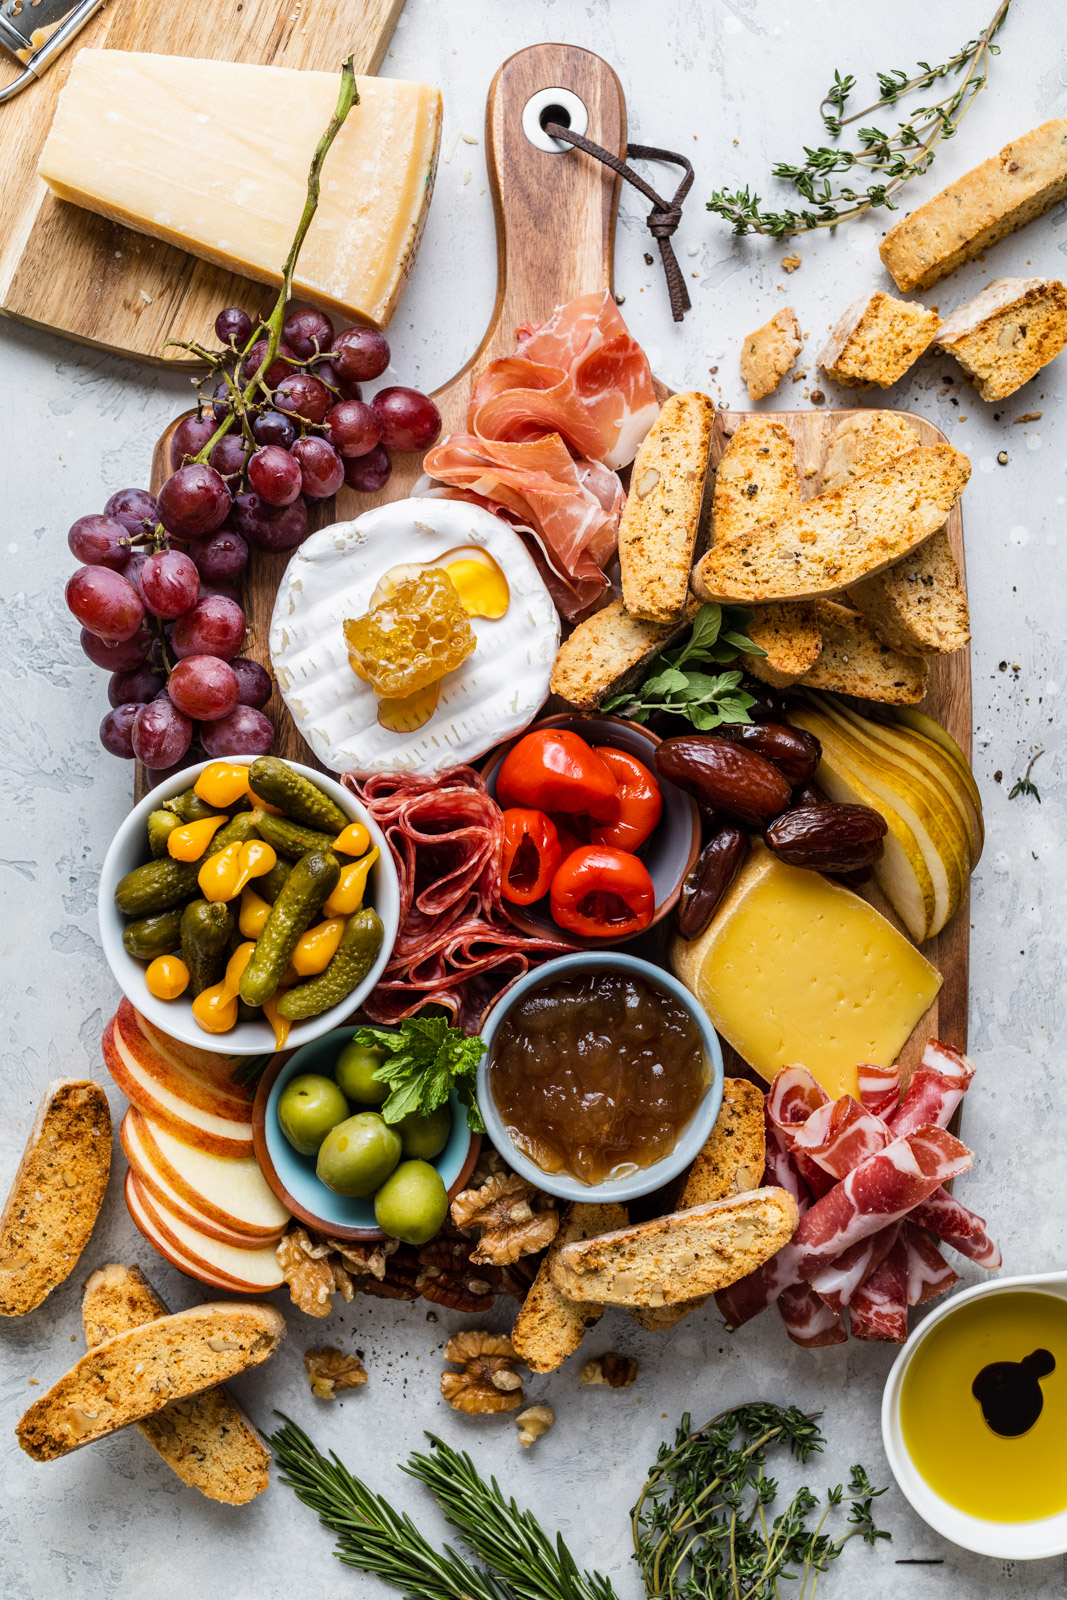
(602, 1077)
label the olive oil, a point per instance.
(983, 1407)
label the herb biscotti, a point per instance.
(206, 1439)
(661, 518)
(1007, 333)
(57, 1193)
(549, 1327)
(608, 652)
(769, 353)
(855, 661)
(876, 340)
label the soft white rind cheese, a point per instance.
(495, 693)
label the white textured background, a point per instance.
(737, 83)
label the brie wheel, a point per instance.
(494, 694)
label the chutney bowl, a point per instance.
(692, 1137)
(668, 853)
(129, 849)
(292, 1176)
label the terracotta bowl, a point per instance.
(292, 1176)
(668, 854)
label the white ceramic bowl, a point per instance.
(1013, 1541)
(129, 849)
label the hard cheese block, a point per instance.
(213, 156)
(797, 969)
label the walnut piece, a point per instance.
(329, 1370)
(488, 1382)
(503, 1209)
(308, 1273)
(532, 1423)
(361, 1258)
(618, 1372)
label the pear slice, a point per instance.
(928, 729)
(902, 872)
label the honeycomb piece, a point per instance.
(412, 637)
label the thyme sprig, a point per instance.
(895, 157)
(701, 1525)
(1025, 784)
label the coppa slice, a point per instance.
(230, 1191)
(218, 1133)
(251, 1271)
(155, 1180)
(136, 1373)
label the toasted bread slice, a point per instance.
(609, 652)
(756, 485)
(57, 1193)
(661, 518)
(207, 1440)
(1007, 333)
(876, 340)
(840, 537)
(731, 1162)
(769, 353)
(918, 606)
(855, 661)
(549, 1327)
(678, 1257)
(135, 1374)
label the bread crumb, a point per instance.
(791, 263)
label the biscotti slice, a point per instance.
(837, 538)
(1010, 189)
(756, 484)
(661, 518)
(855, 661)
(57, 1193)
(207, 1440)
(769, 353)
(1004, 335)
(549, 1327)
(680, 1256)
(608, 652)
(135, 1374)
(876, 340)
(918, 606)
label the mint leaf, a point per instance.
(670, 681)
(425, 1057)
(742, 642)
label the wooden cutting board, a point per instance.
(540, 199)
(95, 281)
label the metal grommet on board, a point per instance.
(553, 105)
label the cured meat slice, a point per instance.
(808, 1320)
(880, 1191)
(879, 1308)
(837, 1283)
(879, 1088)
(934, 1090)
(782, 1169)
(838, 1136)
(792, 1098)
(928, 1273)
(943, 1214)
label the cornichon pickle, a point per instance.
(161, 824)
(270, 886)
(149, 937)
(352, 960)
(156, 886)
(206, 928)
(276, 782)
(290, 838)
(311, 881)
(238, 830)
(188, 806)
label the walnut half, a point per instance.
(329, 1370)
(503, 1209)
(488, 1382)
(618, 1372)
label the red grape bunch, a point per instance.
(157, 595)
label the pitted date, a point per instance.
(830, 838)
(767, 704)
(809, 794)
(728, 777)
(709, 878)
(795, 753)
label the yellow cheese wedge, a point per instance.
(794, 968)
(213, 156)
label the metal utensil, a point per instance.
(37, 31)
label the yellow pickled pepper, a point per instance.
(215, 1009)
(222, 783)
(353, 840)
(347, 896)
(225, 874)
(316, 948)
(167, 977)
(189, 842)
(253, 914)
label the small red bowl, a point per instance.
(668, 854)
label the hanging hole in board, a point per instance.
(561, 106)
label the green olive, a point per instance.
(413, 1203)
(308, 1107)
(358, 1155)
(355, 1069)
(425, 1136)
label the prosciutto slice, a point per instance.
(808, 1320)
(879, 1308)
(879, 1088)
(929, 1274)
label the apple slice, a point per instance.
(201, 1079)
(162, 1247)
(155, 1181)
(230, 1192)
(221, 1136)
(251, 1270)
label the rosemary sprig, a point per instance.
(247, 1073)
(674, 685)
(895, 157)
(700, 1526)
(1025, 784)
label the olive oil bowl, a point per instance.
(292, 1176)
(974, 1417)
(129, 848)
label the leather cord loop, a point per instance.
(665, 215)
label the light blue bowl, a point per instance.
(693, 1136)
(292, 1176)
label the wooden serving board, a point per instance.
(535, 273)
(95, 281)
